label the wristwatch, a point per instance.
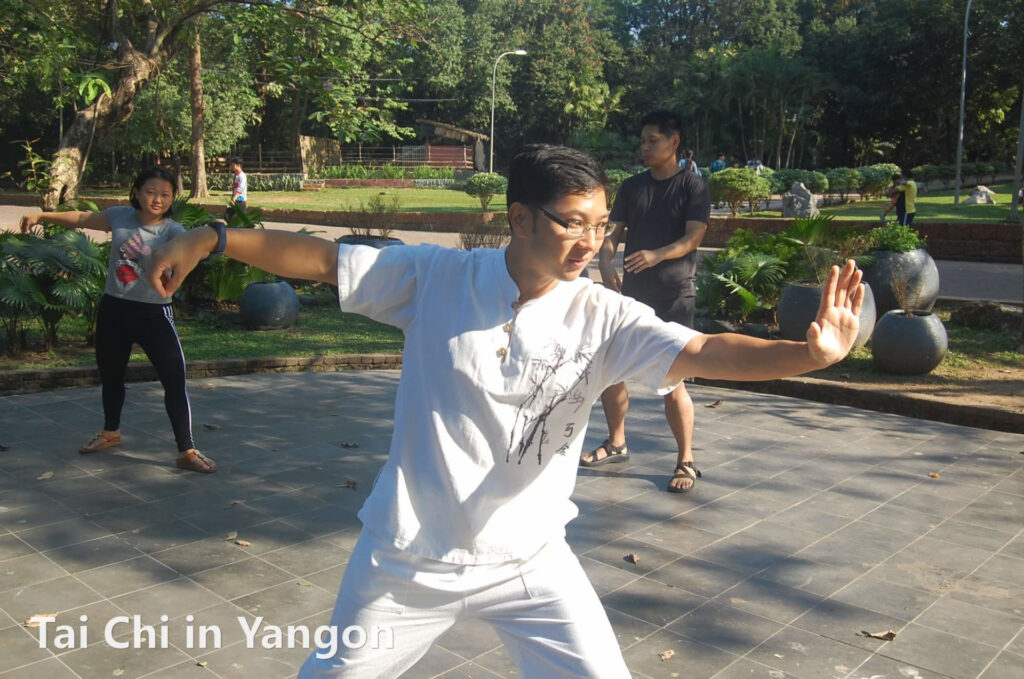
(222, 235)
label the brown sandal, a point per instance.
(689, 471)
(612, 454)
(195, 461)
(100, 442)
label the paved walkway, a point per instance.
(812, 524)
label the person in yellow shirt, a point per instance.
(904, 198)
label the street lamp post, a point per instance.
(963, 91)
(494, 76)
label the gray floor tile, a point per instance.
(201, 555)
(690, 659)
(469, 671)
(241, 578)
(12, 546)
(652, 601)
(725, 627)
(61, 594)
(18, 647)
(811, 576)
(437, 661)
(701, 577)
(873, 593)
(880, 667)
(848, 624)
(769, 599)
(1005, 666)
(972, 622)
(99, 660)
(52, 668)
(805, 654)
(1001, 568)
(969, 535)
(632, 555)
(469, 639)
(92, 554)
(748, 669)
(940, 652)
(62, 534)
(307, 557)
(27, 570)
(931, 565)
(605, 578)
(285, 603)
(127, 576)
(173, 599)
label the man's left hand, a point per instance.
(640, 260)
(833, 332)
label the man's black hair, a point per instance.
(542, 173)
(235, 160)
(667, 122)
(155, 172)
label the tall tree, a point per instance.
(195, 82)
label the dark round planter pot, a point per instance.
(798, 308)
(909, 345)
(269, 305)
(916, 266)
(372, 241)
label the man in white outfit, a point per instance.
(506, 351)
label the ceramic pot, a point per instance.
(798, 307)
(887, 268)
(906, 344)
(269, 305)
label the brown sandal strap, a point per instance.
(190, 458)
(686, 468)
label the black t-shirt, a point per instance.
(655, 212)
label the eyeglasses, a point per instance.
(576, 228)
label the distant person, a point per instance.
(718, 164)
(239, 189)
(904, 199)
(133, 312)
(664, 212)
(756, 165)
(687, 164)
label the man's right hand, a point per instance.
(172, 261)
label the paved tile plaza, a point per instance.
(813, 523)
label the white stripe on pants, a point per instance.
(544, 609)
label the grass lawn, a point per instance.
(933, 206)
(322, 330)
(345, 200)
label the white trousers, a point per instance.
(544, 609)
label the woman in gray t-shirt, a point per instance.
(131, 311)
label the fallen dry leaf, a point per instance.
(715, 404)
(302, 584)
(44, 476)
(243, 543)
(935, 475)
(665, 655)
(202, 663)
(118, 672)
(887, 635)
(211, 427)
(34, 620)
(231, 536)
(348, 444)
(632, 558)
(237, 502)
(4, 447)
(349, 483)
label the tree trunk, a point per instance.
(69, 160)
(198, 106)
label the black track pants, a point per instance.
(122, 323)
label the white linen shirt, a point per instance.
(494, 398)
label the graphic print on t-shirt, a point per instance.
(128, 269)
(558, 380)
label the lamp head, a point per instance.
(521, 53)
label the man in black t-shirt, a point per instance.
(664, 212)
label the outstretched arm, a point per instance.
(284, 253)
(96, 221)
(738, 357)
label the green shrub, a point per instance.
(427, 172)
(737, 185)
(895, 237)
(615, 179)
(735, 284)
(485, 186)
(875, 180)
(782, 180)
(843, 181)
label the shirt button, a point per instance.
(507, 327)
(503, 352)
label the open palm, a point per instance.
(834, 330)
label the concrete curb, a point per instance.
(883, 400)
(823, 391)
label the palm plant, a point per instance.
(738, 284)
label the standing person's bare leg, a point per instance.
(679, 413)
(615, 402)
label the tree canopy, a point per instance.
(795, 83)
